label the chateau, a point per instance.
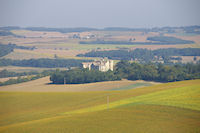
(101, 65)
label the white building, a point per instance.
(101, 65)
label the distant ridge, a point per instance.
(187, 29)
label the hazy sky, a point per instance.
(99, 13)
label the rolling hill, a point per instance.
(168, 107)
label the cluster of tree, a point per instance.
(6, 49)
(187, 29)
(9, 28)
(144, 55)
(192, 29)
(161, 73)
(25, 79)
(6, 33)
(43, 62)
(23, 47)
(158, 40)
(5, 73)
(177, 52)
(80, 76)
(131, 71)
(168, 40)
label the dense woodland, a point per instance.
(168, 40)
(131, 71)
(6, 49)
(144, 55)
(6, 33)
(80, 76)
(161, 73)
(43, 62)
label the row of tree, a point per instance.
(186, 29)
(156, 40)
(131, 71)
(27, 78)
(6, 49)
(43, 62)
(169, 40)
(144, 55)
(161, 73)
(80, 76)
(5, 73)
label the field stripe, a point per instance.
(170, 97)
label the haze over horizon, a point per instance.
(99, 14)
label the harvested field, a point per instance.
(6, 79)
(42, 85)
(20, 54)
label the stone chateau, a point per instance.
(102, 65)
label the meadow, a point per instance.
(167, 107)
(19, 69)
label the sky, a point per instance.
(99, 13)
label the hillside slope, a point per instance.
(170, 107)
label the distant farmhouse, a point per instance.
(101, 65)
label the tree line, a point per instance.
(5, 73)
(168, 40)
(26, 79)
(131, 71)
(160, 72)
(186, 29)
(6, 49)
(156, 40)
(80, 76)
(43, 62)
(144, 55)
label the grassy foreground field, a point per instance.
(170, 107)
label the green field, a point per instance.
(19, 69)
(169, 107)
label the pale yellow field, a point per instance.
(189, 59)
(6, 79)
(42, 85)
(20, 54)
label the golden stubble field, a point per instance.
(20, 54)
(43, 85)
